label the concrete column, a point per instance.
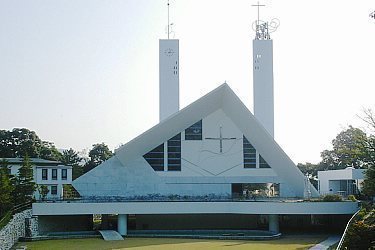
(122, 224)
(273, 223)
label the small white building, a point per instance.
(343, 181)
(49, 173)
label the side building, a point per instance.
(53, 174)
(343, 182)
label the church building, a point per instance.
(210, 165)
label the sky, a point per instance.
(86, 71)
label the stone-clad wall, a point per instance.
(15, 229)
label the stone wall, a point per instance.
(15, 229)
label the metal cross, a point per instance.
(258, 5)
(221, 139)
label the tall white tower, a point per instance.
(168, 77)
(169, 100)
(263, 75)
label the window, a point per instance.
(174, 153)
(54, 174)
(249, 154)
(263, 163)
(64, 174)
(194, 132)
(156, 158)
(44, 174)
(54, 190)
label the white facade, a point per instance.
(263, 83)
(168, 77)
(49, 173)
(56, 177)
(205, 168)
(343, 182)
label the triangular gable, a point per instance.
(220, 98)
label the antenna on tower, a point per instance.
(263, 29)
(168, 29)
(168, 18)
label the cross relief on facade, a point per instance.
(221, 139)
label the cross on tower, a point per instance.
(221, 139)
(258, 5)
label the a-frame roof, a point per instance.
(220, 98)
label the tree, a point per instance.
(43, 191)
(311, 170)
(21, 141)
(6, 188)
(98, 154)
(369, 181)
(24, 183)
(71, 158)
(48, 151)
(349, 150)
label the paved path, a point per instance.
(110, 235)
(327, 243)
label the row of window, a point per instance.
(174, 153)
(156, 156)
(64, 174)
(249, 156)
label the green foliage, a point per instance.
(349, 150)
(6, 189)
(71, 158)
(20, 142)
(5, 219)
(98, 154)
(48, 151)
(70, 192)
(43, 191)
(352, 198)
(24, 183)
(361, 233)
(332, 197)
(311, 170)
(369, 181)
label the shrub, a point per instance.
(332, 197)
(352, 198)
(359, 236)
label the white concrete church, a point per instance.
(210, 162)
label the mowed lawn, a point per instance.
(286, 242)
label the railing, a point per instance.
(16, 209)
(339, 247)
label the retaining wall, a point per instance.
(16, 228)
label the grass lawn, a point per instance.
(286, 242)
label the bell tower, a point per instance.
(263, 72)
(169, 100)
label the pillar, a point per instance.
(122, 221)
(273, 223)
